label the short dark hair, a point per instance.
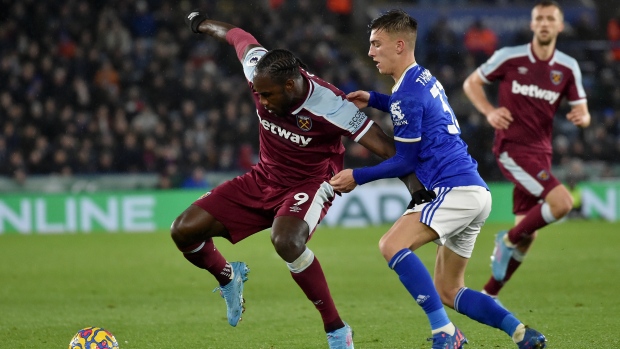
(547, 3)
(395, 21)
(280, 65)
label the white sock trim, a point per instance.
(519, 334)
(449, 329)
(545, 210)
(518, 255)
(197, 248)
(302, 262)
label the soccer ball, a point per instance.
(93, 338)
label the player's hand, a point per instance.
(343, 181)
(421, 196)
(579, 117)
(500, 118)
(359, 98)
(194, 18)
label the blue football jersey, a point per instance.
(420, 113)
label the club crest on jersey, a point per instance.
(543, 175)
(556, 77)
(253, 60)
(397, 114)
(304, 122)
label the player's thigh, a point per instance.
(195, 224)
(239, 205)
(457, 215)
(309, 201)
(407, 232)
(531, 175)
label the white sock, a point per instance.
(508, 242)
(302, 262)
(449, 329)
(519, 333)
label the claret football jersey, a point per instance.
(532, 90)
(305, 144)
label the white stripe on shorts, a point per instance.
(325, 192)
(428, 212)
(528, 182)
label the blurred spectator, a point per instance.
(613, 35)
(442, 45)
(480, 41)
(196, 180)
(123, 86)
(342, 9)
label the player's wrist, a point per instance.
(194, 19)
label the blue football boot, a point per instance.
(532, 340)
(501, 256)
(341, 338)
(443, 340)
(233, 292)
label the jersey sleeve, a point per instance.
(343, 114)
(250, 60)
(406, 111)
(492, 69)
(575, 93)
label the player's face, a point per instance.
(275, 97)
(547, 23)
(383, 50)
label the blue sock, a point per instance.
(483, 309)
(418, 282)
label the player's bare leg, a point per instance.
(520, 238)
(193, 233)
(397, 246)
(289, 236)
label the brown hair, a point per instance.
(395, 21)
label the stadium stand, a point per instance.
(123, 87)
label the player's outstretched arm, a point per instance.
(381, 144)
(378, 142)
(199, 22)
(579, 115)
(359, 98)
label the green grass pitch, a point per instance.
(140, 288)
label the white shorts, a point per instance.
(456, 215)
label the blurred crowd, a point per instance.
(123, 86)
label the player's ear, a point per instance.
(400, 46)
(289, 85)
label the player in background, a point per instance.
(533, 78)
(301, 123)
(428, 143)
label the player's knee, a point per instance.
(562, 206)
(182, 230)
(287, 246)
(387, 250)
(567, 205)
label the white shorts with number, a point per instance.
(457, 215)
